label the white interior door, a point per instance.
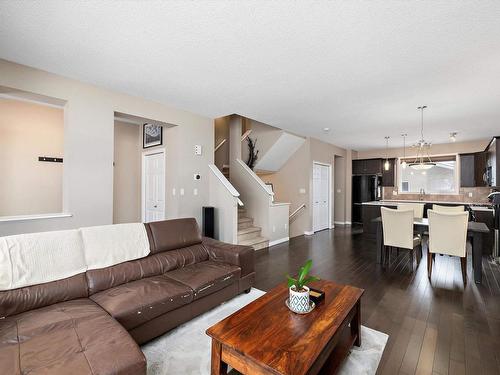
(153, 187)
(321, 197)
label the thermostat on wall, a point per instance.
(197, 149)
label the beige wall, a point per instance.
(288, 182)
(221, 129)
(127, 173)
(437, 149)
(88, 149)
(339, 186)
(296, 174)
(265, 136)
(27, 131)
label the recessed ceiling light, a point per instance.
(326, 130)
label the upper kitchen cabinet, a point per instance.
(473, 169)
(492, 175)
(367, 166)
(388, 177)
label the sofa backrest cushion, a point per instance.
(36, 258)
(33, 297)
(173, 234)
(152, 265)
(108, 245)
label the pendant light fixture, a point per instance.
(403, 163)
(387, 165)
(422, 160)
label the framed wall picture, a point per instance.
(152, 135)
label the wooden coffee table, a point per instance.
(265, 337)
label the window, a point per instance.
(440, 179)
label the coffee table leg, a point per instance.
(218, 367)
(356, 324)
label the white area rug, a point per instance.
(186, 349)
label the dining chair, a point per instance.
(397, 226)
(448, 236)
(418, 208)
(439, 208)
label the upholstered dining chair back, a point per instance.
(398, 227)
(418, 209)
(438, 208)
(448, 232)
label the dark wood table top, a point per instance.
(472, 226)
(267, 332)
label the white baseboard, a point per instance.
(340, 222)
(281, 240)
(309, 233)
(348, 223)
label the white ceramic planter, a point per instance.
(299, 301)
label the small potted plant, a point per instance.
(299, 292)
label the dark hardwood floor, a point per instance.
(434, 327)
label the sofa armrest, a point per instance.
(237, 255)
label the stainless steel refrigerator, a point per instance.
(365, 188)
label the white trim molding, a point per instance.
(34, 217)
(281, 240)
(308, 232)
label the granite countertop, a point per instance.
(477, 206)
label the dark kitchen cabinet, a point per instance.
(388, 177)
(493, 163)
(480, 168)
(367, 166)
(467, 178)
(358, 166)
(472, 169)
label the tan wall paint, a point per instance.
(127, 173)
(437, 149)
(287, 183)
(265, 136)
(88, 149)
(296, 174)
(27, 131)
(339, 187)
(221, 129)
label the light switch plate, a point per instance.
(181, 191)
(195, 191)
(302, 191)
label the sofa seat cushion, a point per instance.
(137, 302)
(206, 277)
(73, 337)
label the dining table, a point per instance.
(475, 232)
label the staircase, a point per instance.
(248, 234)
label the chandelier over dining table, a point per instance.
(423, 160)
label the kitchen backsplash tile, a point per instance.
(479, 195)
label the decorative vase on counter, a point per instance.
(299, 300)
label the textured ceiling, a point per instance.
(359, 68)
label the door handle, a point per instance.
(155, 206)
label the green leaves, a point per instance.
(302, 278)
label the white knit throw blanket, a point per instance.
(108, 245)
(35, 258)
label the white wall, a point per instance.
(88, 149)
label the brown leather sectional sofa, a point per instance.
(92, 323)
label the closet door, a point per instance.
(321, 197)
